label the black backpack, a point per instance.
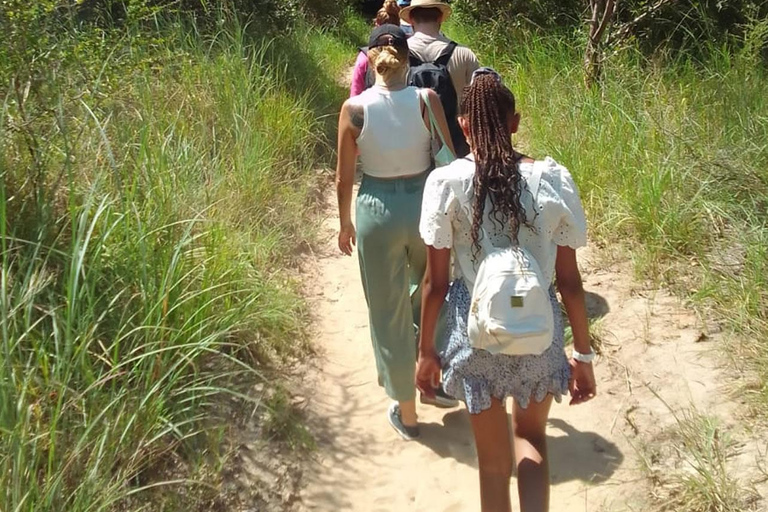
(434, 75)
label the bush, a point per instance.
(156, 183)
(685, 24)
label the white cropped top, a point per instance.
(394, 141)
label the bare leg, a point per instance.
(494, 457)
(408, 413)
(529, 427)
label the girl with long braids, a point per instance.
(550, 225)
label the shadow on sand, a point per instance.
(573, 455)
(597, 306)
(341, 442)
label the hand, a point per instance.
(428, 374)
(582, 384)
(347, 238)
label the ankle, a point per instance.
(408, 413)
(409, 420)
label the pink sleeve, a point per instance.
(358, 74)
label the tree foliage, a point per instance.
(680, 24)
(43, 35)
(21, 18)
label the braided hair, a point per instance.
(487, 106)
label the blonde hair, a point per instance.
(388, 14)
(387, 60)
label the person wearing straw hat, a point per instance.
(428, 43)
(407, 28)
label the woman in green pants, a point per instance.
(388, 125)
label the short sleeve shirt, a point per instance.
(461, 66)
(556, 215)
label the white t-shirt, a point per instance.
(559, 219)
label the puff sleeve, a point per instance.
(572, 228)
(438, 208)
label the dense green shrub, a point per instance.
(542, 13)
(156, 180)
(689, 24)
(112, 11)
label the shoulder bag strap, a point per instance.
(435, 128)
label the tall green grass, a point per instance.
(671, 157)
(155, 188)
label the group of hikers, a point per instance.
(460, 238)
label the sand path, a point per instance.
(651, 343)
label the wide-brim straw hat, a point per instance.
(405, 12)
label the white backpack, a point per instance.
(511, 311)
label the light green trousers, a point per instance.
(393, 259)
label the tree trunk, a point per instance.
(602, 12)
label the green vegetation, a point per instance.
(652, 25)
(690, 469)
(670, 155)
(158, 163)
(670, 150)
(158, 178)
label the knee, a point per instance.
(536, 437)
(496, 465)
(499, 470)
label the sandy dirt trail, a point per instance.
(650, 344)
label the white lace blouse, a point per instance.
(559, 219)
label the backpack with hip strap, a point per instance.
(435, 76)
(511, 311)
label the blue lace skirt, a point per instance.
(474, 376)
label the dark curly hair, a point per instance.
(487, 105)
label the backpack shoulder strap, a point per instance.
(445, 57)
(364, 49)
(464, 201)
(535, 180)
(466, 204)
(414, 60)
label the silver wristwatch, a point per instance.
(583, 358)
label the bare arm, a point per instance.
(350, 123)
(582, 384)
(435, 287)
(572, 291)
